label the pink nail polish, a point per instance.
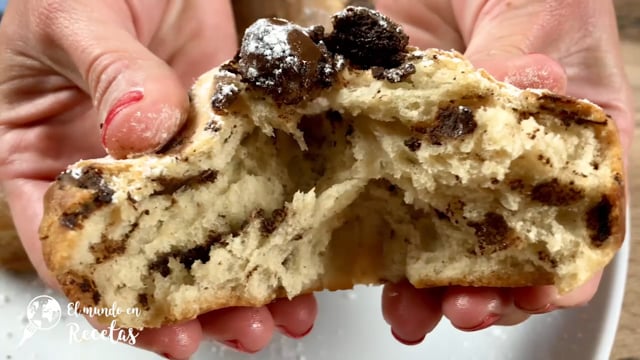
(290, 334)
(486, 322)
(235, 344)
(407, 342)
(125, 101)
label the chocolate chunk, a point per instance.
(599, 221)
(170, 185)
(73, 220)
(225, 94)
(516, 184)
(545, 256)
(90, 179)
(413, 144)
(555, 193)
(441, 215)
(108, 248)
(143, 300)
(79, 287)
(493, 234)
(173, 144)
(367, 38)
(187, 257)
(394, 75)
(269, 225)
(198, 253)
(568, 110)
(452, 122)
(161, 266)
(282, 59)
(618, 179)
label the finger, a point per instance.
(139, 97)
(412, 313)
(295, 317)
(178, 341)
(245, 329)
(472, 309)
(429, 24)
(541, 299)
(536, 71)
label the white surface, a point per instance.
(350, 326)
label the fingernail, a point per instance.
(235, 344)
(486, 322)
(293, 335)
(405, 341)
(125, 101)
(541, 310)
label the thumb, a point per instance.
(140, 100)
(500, 37)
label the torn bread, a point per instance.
(318, 161)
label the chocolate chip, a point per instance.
(394, 75)
(452, 122)
(493, 234)
(599, 221)
(171, 185)
(555, 193)
(413, 144)
(367, 38)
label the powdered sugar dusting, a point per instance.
(269, 39)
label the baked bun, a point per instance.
(318, 161)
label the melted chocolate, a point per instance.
(283, 60)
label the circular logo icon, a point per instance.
(44, 312)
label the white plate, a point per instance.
(350, 326)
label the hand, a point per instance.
(69, 68)
(569, 46)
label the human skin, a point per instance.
(568, 46)
(68, 67)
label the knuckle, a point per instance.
(102, 72)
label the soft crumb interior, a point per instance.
(362, 203)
